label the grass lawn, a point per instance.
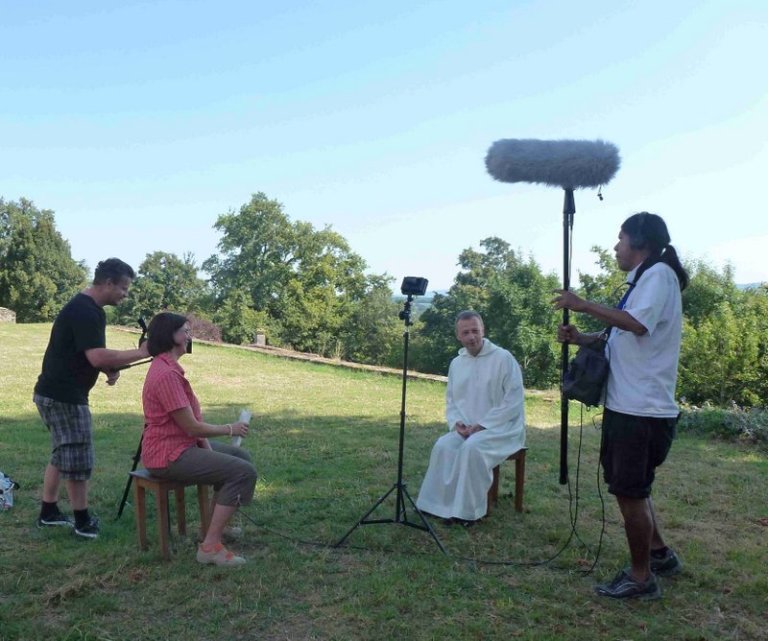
(324, 440)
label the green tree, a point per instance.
(707, 289)
(324, 289)
(756, 306)
(719, 359)
(512, 295)
(524, 319)
(240, 323)
(373, 333)
(307, 282)
(723, 355)
(37, 272)
(258, 253)
(165, 282)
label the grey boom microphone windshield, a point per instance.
(570, 164)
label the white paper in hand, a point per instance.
(245, 417)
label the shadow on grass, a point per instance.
(318, 474)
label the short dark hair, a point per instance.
(161, 330)
(112, 269)
(467, 314)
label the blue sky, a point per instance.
(138, 123)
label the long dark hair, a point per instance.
(649, 231)
(160, 332)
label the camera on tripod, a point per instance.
(414, 286)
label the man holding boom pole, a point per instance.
(640, 411)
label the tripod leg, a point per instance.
(136, 459)
(362, 519)
(400, 506)
(426, 525)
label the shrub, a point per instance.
(204, 329)
(736, 423)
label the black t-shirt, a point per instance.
(67, 375)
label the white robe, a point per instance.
(486, 389)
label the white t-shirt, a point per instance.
(643, 369)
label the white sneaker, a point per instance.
(219, 555)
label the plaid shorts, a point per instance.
(71, 437)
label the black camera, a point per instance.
(414, 286)
(143, 324)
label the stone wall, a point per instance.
(7, 316)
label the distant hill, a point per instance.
(420, 303)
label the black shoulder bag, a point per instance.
(585, 378)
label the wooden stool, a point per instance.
(144, 481)
(493, 493)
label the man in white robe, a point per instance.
(485, 411)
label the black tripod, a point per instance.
(137, 456)
(401, 515)
(136, 459)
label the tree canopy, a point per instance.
(513, 295)
(37, 272)
(306, 289)
(303, 285)
(164, 282)
(724, 355)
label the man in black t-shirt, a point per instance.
(75, 355)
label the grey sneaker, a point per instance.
(53, 520)
(89, 529)
(624, 586)
(669, 565)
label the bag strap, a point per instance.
(623, 301)
(648, 262)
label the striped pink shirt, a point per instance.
(165, 391)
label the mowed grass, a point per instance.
(324, 440)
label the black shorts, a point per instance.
(632, 448)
